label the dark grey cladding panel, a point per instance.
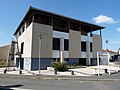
(44, 63)
(73, 61)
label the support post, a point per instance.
(88, 53)
(62, 50)
(91, 32)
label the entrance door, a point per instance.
(22, 63)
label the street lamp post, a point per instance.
(106, 44)
(40, 37)
(108, 61)
(98, 63)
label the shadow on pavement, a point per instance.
(10, 86)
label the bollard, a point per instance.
(55, 72)
(72, 72)
(105, 70)
(20, 72)
(5, 71)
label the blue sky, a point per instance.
(100, 12)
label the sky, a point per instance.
(101, 12)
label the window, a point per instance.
(22, 47)
(90, 46)
(60, 25)
(19, 33)
(29, 21)
(83, 46)
(66, 44)
(67, 59)
(43, 19)
(23, 29)
(74, 26)
(56, 43)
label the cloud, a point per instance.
(104, 19)
(118, 29)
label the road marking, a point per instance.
(20, 89)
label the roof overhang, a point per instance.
(32, 10)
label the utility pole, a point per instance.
(98, 63)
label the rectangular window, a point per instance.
(23, 29)
(90, 46)
(56, 43)
(74, 26)
(43, 19)
(22, 47)
(60, 25)
(29, 21)
(83, 46)
(66, 44)
(19, 33)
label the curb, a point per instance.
(79, 79)
(55, 78)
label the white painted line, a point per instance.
(20, 89)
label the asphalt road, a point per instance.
(8, 83)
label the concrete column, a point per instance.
(88, 62)
(62, 50)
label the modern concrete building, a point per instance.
(47, 36)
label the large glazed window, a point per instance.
(66, 44)
(60, 25)
(42, 19)
(22, 47)
(23, 29)
(74, 26)
(83, 46)
(29, 21)
(90, 46)
(56, 43)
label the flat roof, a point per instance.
(32, 9)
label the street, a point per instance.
(8, 83)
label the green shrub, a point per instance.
(59, 66)
(2, 62)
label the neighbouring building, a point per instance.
(4, 52)
(118, 52)
(47, 36)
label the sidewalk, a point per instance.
(45, 75)
(87, 71)
(114, 77)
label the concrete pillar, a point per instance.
(61, 50)
(88, 62)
